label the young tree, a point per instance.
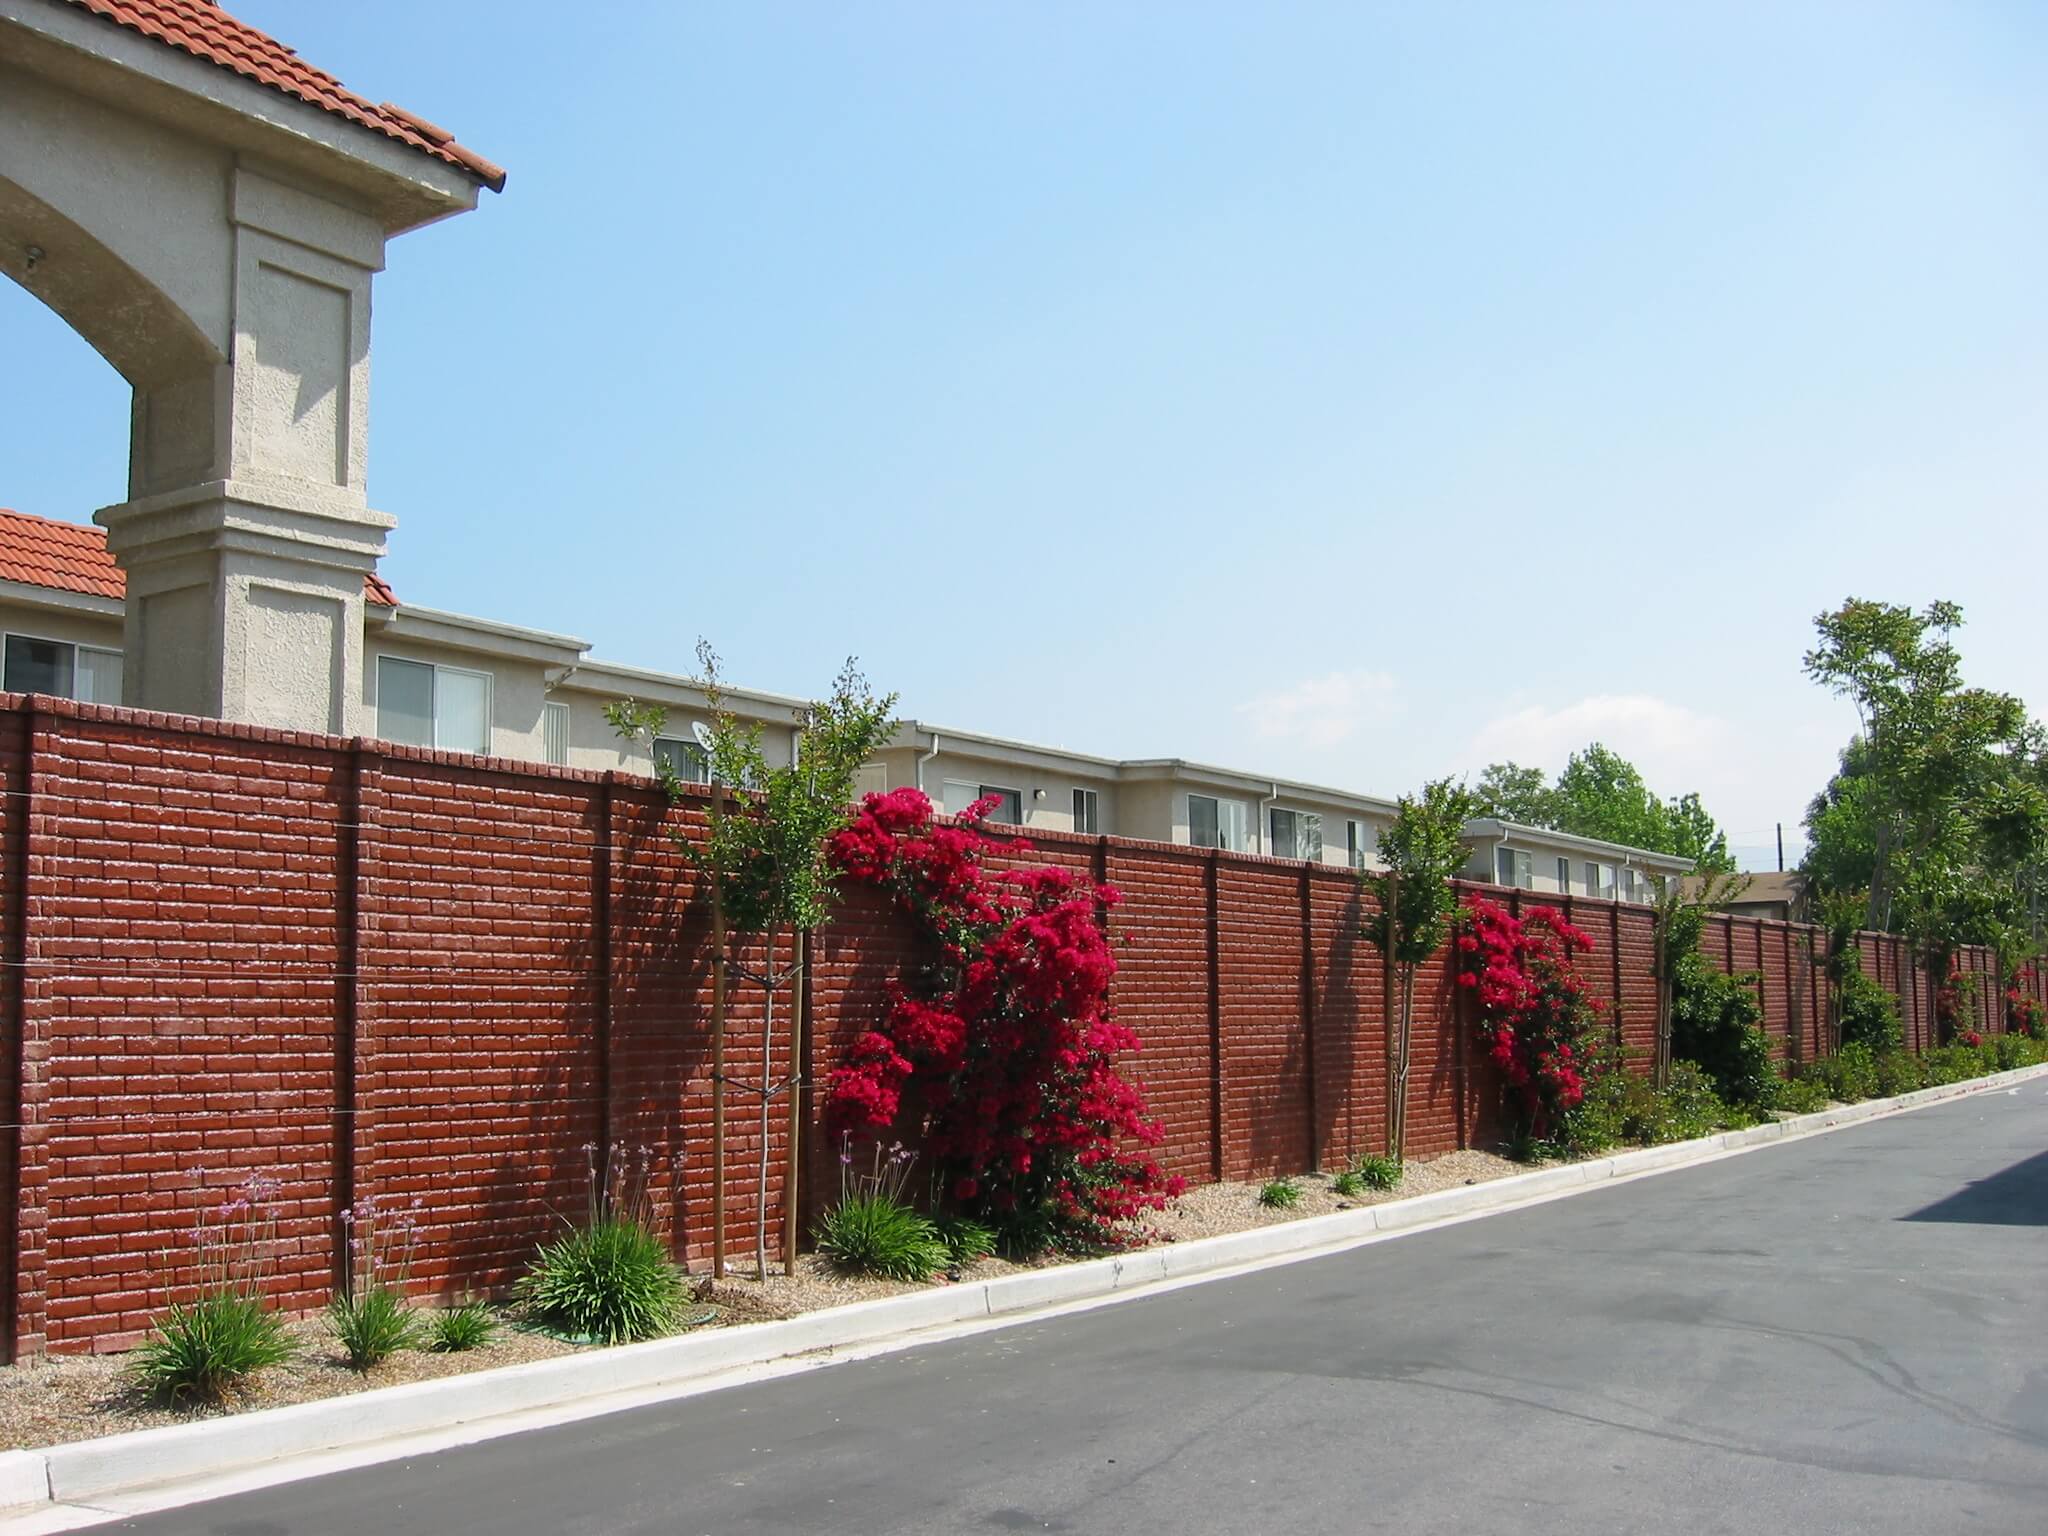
(1421, 853)
(1681, 919)
(765, 855)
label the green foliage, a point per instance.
(1622, 1108)
(1280, 1194)
(1870, 1014)
(458, 1329)
(1941, 798)
(1348, 1185)
(1511, 792)
(1601, 794)
(1716, 1023)
(1421, 852)
(609, 1282)
(1377, 1172)
(1898, 1071)
(205, 1348)
(767, 847)
(871, 1232)
(1848, 1076)
(1801, 1096)
(966, 1240)
(373, 1323)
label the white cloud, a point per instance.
(1323, 711)
(1668, 742)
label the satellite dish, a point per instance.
(702, 732)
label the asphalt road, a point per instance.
(1844, 1334)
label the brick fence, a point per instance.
(377, 971)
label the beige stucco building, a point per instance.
(209, 211)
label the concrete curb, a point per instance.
(81, 1471)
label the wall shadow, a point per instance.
(2013, 1197)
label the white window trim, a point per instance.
(1093, 802)
(434, 705)
(1300, 816)
(76, 646)
(568, 720)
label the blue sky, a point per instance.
(1355, 393)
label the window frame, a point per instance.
(691, 753)
(75, 647)
(554, 709)
(436, 668)
(982, 792)
(1521, 867)
(1088, 801)
(1241, 818)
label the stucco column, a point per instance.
(247, 532)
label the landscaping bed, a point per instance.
(80, 1397)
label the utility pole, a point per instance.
(1781, 847)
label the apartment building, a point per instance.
(457, 683)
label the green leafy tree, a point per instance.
(1601, 794)
(764, 852)
(1511, 792)
(1414, 905)
(1931, 747)
(1697, 836)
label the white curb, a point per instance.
(85, 1470)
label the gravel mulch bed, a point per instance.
(82, 1397)
(1211, 1210)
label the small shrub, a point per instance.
(1899, 1071)
(1280, 1195)
(1689, 1108)
(1848, 1076)
(202, 1349)
(2009, 1052)
(1952, 1064)
(1802, 1096)
(1870, 1015)
(874, 1233)
(1348, 1185)
(610, 1280)
(373, 1325)
(1381, 1173)
(966, 1240)
(1715, 1021)
(370, 1317)
(469, 1326)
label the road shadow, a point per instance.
(2013, 1197)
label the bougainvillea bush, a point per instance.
(1002, 1036)
(1536, 1019)
(2023, 1012)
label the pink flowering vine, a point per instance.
(1004, 1037)
(1536, 1018)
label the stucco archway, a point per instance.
(207, 211)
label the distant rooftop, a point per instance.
(73, 557)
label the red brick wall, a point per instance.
(376, 972)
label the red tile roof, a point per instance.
(72, 557)
(202, 29)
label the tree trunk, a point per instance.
(718, 985)
(1398, 1117)
(767, 1079)
(795, 1129)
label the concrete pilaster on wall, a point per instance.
(248, 531)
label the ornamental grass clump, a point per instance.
(1280, 1194)
(371, 1317)
(204, 1348)
(610, 1280)
(1376, 1172)
(458, 1329)
(872, 1229)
